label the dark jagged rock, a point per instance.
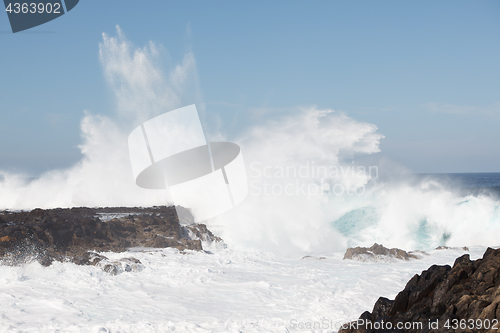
(111, 267)
(441, 297)
(443, 247)
(377, 253)
(312, 257)
(69, 234)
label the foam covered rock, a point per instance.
(67, 234)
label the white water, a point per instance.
(417, 215)
(259, 283)
(228, 291)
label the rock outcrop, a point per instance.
(115, 267)
(443, 247)
(312, 257)
(73, 234)
(377, 253)
(465, 298)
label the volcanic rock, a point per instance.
(312, 257)
(458, 299)
(377, 253)
(111, 267)
(70, 234)
(443, 247)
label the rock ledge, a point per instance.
(442, 294)
(76, 234)
(378, 253)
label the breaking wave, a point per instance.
(310, 190)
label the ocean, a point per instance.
(225, 291)
(238, 288)
(260, 281)
(471, 183)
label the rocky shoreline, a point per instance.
(470, 290)
(462, 298)
(77, 234)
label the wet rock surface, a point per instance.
(76, 234)
(378, 252)
(112, 267)
(442, 247)
(312, 258)
(465, 298)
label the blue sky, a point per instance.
(427, 73)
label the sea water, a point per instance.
(260, 281)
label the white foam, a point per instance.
(197, 292)
(408, 214)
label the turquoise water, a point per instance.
(425, 211)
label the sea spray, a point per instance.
(326, 212)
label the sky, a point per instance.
(426, 73)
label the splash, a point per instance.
(103, 177)
(307, 191)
